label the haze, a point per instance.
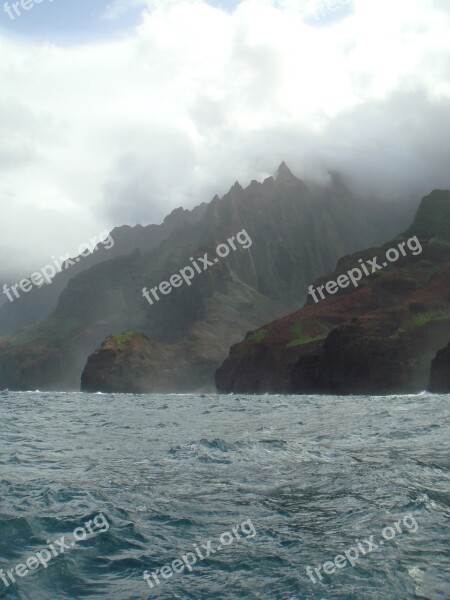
(116, 113)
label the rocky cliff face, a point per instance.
(296, 234)
(41, 302)
(131, 363)
(440, 372)
(378, 338)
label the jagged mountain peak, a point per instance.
(176, 212)
(377, 337)
(294, 240)
(284, 174)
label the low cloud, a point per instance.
(195, 97)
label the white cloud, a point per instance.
(118, 8)
(195, 97)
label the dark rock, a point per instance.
(379, 338)
(440, 372)
(131, 363)
(297, 232)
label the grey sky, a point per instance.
(117, 112)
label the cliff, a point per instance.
(440, 372)
(40, 302)
(377, 338)
(297, 231)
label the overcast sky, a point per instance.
(116, 112)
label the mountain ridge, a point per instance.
(297, 234)
(41, 301)
(378, 338)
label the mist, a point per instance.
(192, 97)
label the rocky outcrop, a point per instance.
(296, 231)
(379, 338)
(440, 372)
(131, 363)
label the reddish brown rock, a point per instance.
(376, 339)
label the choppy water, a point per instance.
(311, 473)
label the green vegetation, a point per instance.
(439, 243)
(421, 319)
(257, 336)
(306, 332)
(424, 318)
(122, 339)
(52, 331)
(427, 264)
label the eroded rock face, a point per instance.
(379, 338)
(297, 233)
(131, 363)
(440, 372)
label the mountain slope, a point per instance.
(377, 338)
(42, 301)
(296, 234)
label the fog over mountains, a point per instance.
(377, 336)
(174, 101)
(224, 299)
(297, 233)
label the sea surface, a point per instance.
(301, 479)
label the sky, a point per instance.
(118, 112)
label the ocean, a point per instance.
(130, 497)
